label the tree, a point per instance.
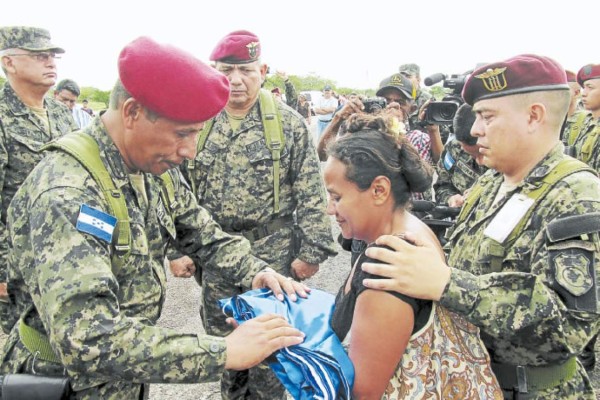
(95, 95)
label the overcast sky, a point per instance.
(356, 43)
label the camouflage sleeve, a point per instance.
(291, 97)
(544, 305)
(3, 232)
(76, 294)
(198, 235)
(309, 193)
(444, 189)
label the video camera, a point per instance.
(373, 104)
(443, 112)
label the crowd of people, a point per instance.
(199, 169)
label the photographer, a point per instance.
(460, 164)
(413, 72)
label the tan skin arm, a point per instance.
(332, 129)
(380, 331)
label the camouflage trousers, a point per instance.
(259, 382)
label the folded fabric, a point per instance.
(319, 368)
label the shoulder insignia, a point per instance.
(95, 222)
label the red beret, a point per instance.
(171, 82)
(239, 47)
(276, 90)
(521, 74)
(590, 71)
(571, 77)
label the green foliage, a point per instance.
(2, 80)
(94, 95)
(305, 82)
(438, 91)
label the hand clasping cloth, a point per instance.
(319, 368)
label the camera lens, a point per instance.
(447, 111)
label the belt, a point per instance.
(524, 378)
(264, 230)
(323, 120)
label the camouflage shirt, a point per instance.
(542, 306)
(592, 147)
(22, 134)
(572, 122)
(234, 181)
(457, 171)
(100, 317)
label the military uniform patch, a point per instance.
(572, 273)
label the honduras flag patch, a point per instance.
(96, 223)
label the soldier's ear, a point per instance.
(131, 111)
(537, 116)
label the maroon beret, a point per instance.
(571, 77)
(276, 90)
(171, 82)
(239, 47)
(521, 74)
(590, 71)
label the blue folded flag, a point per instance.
(319, 368)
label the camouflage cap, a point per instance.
(26, 38)
(409, 69)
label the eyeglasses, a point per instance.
(39, 56)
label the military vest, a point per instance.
(563, 169)
(84, 149)
(274, 137)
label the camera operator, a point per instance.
(399, 92)
(460, 164)
(413, 72)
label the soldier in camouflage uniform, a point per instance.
(97, 306)
(413, 72)
(234, 181)
(28, 120)
(587, 145)
(523, 266)
(460, 163)
(576, 115)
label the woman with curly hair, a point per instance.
(401, 347)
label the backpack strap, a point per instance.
(589, 144)
(274, 138)
(84, 149)
(168, 191)
(496, 250)
(577, 125)
(202, 136)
